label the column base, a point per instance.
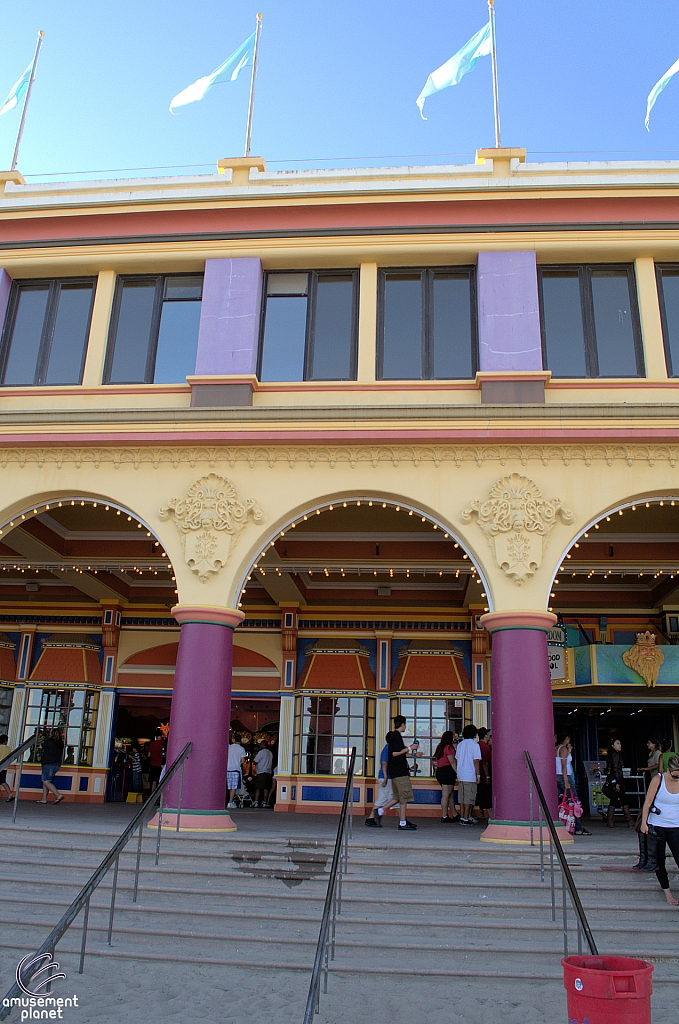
(517, 833)
(194, 821)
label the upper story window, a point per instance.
(154, 329)
(46, 329)
(309, 326)
(427, 324)
(590, 322)
(667, 276)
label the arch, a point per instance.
(340, 500)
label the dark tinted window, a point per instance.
(427, 325)
(309, 330)
(46, 331)
(668, 293)
(154, 329)
(590, 322)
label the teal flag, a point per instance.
(226, 72)
(17, 91)
(454, 69)
(654, 93)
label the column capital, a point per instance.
(211, 615)
(493, 621)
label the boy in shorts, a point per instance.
(399, 772)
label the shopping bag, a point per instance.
(566, 814)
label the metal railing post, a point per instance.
(160, 822)
(530, 804)
(84, 938)
(542, 846)
(136, 869)
(351, 814)
(565, 914)
(181, 787)
(113, 900)
(551, 871)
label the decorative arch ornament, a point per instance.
(210, 519)
(517, 520)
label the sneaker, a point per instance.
(232, 805)
(409, 826)
(447, 820)
(371, 823)
(467, 821)
(256, 803)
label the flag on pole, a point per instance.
(459, 65)
(226, 72)
(17, 91)
(654, 93)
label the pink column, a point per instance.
(201, 714)
(522, 718)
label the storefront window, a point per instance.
(5, 707)
(72, 711)
(426, 720)
(326, 728)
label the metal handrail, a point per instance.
(111, 859)
(566, 876)
(11, 757)
(325, 949)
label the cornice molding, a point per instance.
(333, 455)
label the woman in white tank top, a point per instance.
(661, 813)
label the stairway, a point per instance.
(434, 904)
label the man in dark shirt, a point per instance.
(399, 771)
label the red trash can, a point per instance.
(607, 989)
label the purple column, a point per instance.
(229, 318)
(201, 714)
(522, 719)
(5, 286)
(509, 318)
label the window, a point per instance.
(427, 324)
(590, 322)
(154, 329)
(72, 711)
(309, 326)
(6, 694)
(668, 294)
(427, 720)
(326, 728)
(45, 336)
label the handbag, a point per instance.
(609, 789)
(566, 814)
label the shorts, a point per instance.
(445, 775)
(383, 793)
(3, 778)
(233, 779)
(466, 792)
(403, 789)
(49, 772)
(263, 781)
(154, 772)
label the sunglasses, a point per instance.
(675, 775)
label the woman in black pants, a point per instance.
(617, 780)
(662, 808)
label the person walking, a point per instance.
(234, 769)
(662, 807)
(264, 776)
(135, 764)
(654, 758)
(484, 792)
(156, 759)
(565, 777)
(468, 755)
(446, 764)
(4, 752)
(615, 780)
(385, 791)
(399, 772)
(51, 761)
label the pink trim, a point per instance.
(520, 834)
(592, 384)
(70, 390)
(188, 822)
(207, 613)
(508, 620)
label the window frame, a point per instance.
(659, 267)
(427, 275)
(83, 752)
(45, 346)
(158, 301)
(365, 761)
(584, 272)
(310, 327)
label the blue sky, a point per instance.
(335, 81)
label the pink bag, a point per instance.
(566, 814)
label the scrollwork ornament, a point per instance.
(210, 519)
(517, 520)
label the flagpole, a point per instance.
(496, 99)
(251, 104)
(28, 96)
